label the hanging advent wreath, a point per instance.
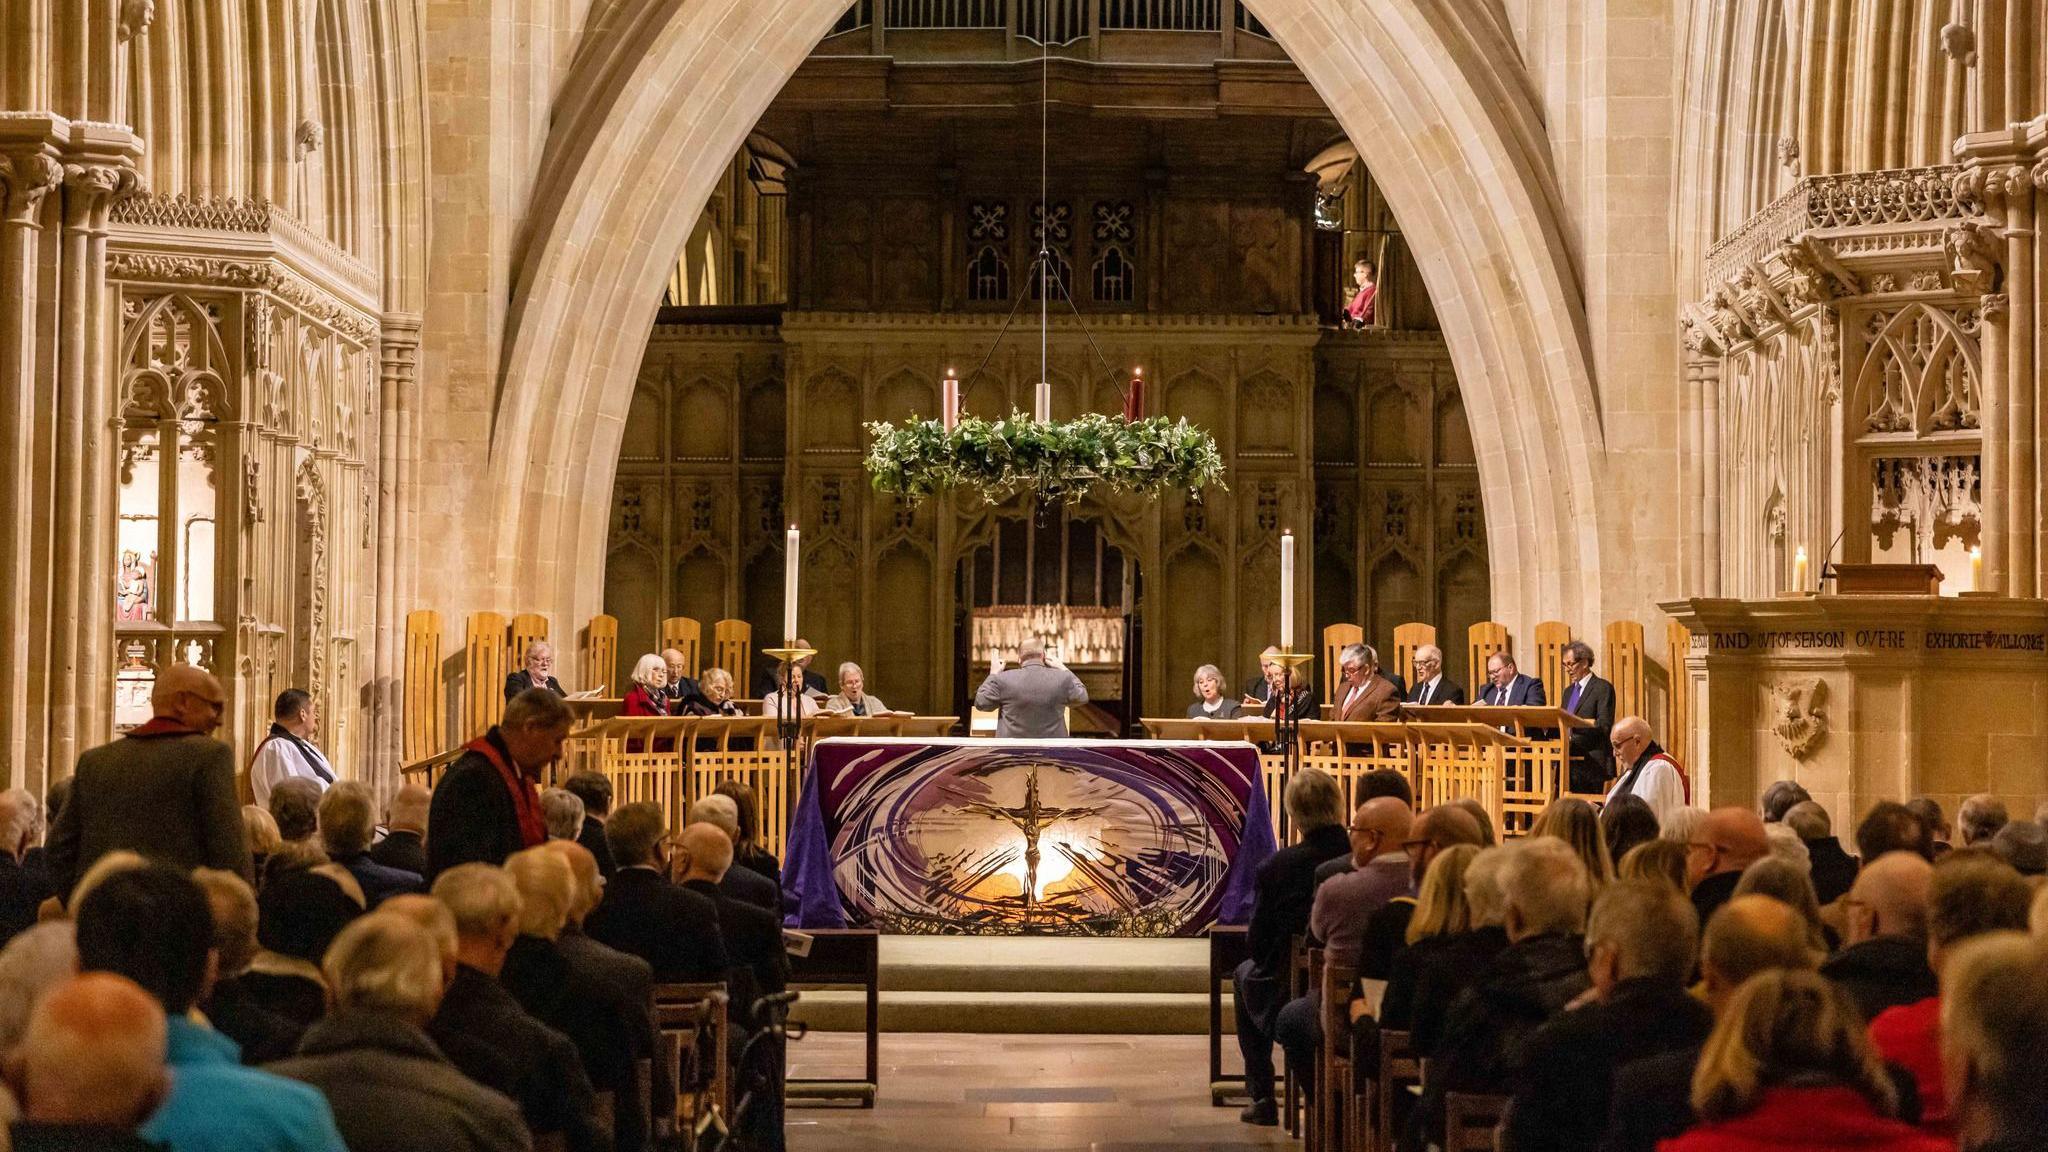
(1060, 462)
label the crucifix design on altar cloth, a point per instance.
(1031, 818)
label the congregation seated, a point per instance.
(1543, 968)
(1284, 889)
(594, 789)
(1969, 895)
(30, 965)
(747, 851)
(1789, 884)
(24, 877)
(1380, 782)
(2024, 845)
(89, 1071)
(1832, 869)
(1442, 915)
(717, 697)
(1728, 841)
(627, 984)
(753, 942)
(561, 812)
(649, 693)
(852, 699)
(1779, 798)
(736, 880)
(152, 925)
(295, 805)
(537, 1066)
(1979, 818)
(259, 829)
(391, 1088)
(1660, 860)
(560, 989)
(299, 913)
(1574, 822)
(1788, 1066)
(404, 845)
(232, 1005)
(1933, 825)
(672, 928)
(346, 815)
(1995, 993)
(1212, 696)
(1883, 963)
(1625, 822)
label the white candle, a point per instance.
(1287, 591)
(789, 562)
(949, 405)
(1041, 407)
(1799, 569)
(1976, 569)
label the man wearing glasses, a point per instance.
(166, 789)
(1588, 696)
(1430, 685)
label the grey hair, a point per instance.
(1543, 879)
(27, 812)
(1357, 652)
(562, 811)
(1211, 670)
(539, 648)
(1809, 819)
(1422, 648)
(718, 810)
(481, 897)
(1482, 888)
(643, 669)
(1582, 650)
(855, 667)
(1653, 928)
(1786, 845)
(31, 964)
(1980, 817)
(385, 961)
(1314, 800)
(1681, 823)
(346, 818)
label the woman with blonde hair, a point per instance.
(1442, 914)
(1574, 822)
(1660, 860)
(1789, 1066)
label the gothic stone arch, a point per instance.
(1434, 104)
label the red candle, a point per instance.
(1134, 398)
(949, 407)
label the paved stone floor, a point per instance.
(983, 1093)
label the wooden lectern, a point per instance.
(1886, 579)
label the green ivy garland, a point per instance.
(1060, 462)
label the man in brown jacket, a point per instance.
(166, 790)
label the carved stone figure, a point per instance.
(1799, 716)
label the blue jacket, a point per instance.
(216, 1105)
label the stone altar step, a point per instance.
(1029, 985)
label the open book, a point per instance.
(588, 694)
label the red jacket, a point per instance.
(1823, 1119)
(1910, 1036)
(642, 701)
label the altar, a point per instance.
(1000, 837)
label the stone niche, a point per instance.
(1868, 698)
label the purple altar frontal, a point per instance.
(969, 836)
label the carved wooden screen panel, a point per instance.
(1677, 730)
(686, 636)
(1482, 640)
(1335, 637)
(601, 654)
(527, 628)
(1627, 668)
(1551, 637)
(733, 648)
(425, 721)
(1407, 638)
(486, 665)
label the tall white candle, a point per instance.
(1799, 569)
(789, 563)
(1041, 407)
(1976, 569)
(1287, 591)
(949, 404)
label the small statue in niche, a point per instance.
(1797, 715)
(132, 590)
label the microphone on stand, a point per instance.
(1827, 563)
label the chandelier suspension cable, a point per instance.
(1045, 184)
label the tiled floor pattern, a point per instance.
(986, 1093)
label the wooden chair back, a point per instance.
(1407, 638)
(733, 649)
(600, 665)
(693, 1023)
(1551, 637)
(1470, 1121)
(1399, 1068)
(426, 716)
(485, 666)
(1627, 669)
(1677, 730)
(1335, 637)
(686, 636)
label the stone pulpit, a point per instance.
(1865, 698)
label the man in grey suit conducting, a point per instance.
(1033, 697)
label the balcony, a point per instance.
(1107, 31)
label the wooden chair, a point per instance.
(1298, 961)
(1399, 1068)
(1317, 1096)
(693, 1022)
(1229, 946)
(1470, 1120)
(1333, 1060)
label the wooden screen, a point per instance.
(733, 648)
(1626, 668)
(1335, 637)
(1677, 732)
(1407, 638)
(1482, 640)
(425, 718)
(601, 655)
(485, 666)
(686, 636)
(528, 627)
(1551, 637)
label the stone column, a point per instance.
(2019, 371)
(99, 172)
(397, 381)
(1993, 469)
(26, 177)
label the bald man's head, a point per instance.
(93, 1054)
(1889, 898)
(1377, 827)
(407, 811)
(188, 695)
(677, 666)
(1748, 935)
(1729, 840)
(1439, 828)
(706, 852)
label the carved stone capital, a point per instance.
(24, 180)
(1994, 306)
(92, 190)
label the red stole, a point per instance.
(160, 726)
(533, 830)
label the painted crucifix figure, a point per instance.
(1031, 818)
